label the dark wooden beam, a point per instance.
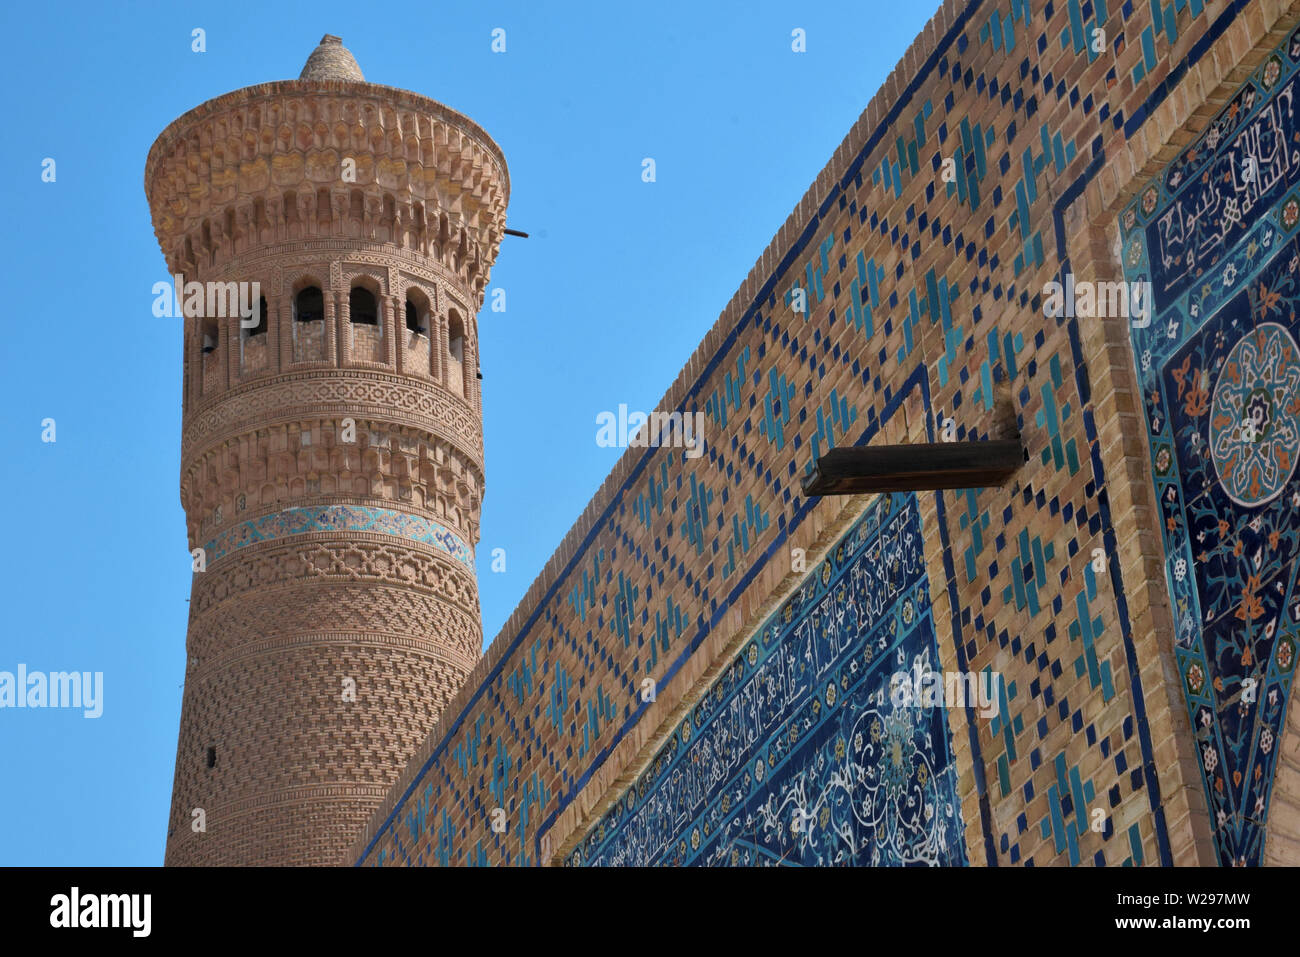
(914, 468)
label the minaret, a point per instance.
(332, 451)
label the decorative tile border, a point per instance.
(340, 518)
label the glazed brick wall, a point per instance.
(924, 304)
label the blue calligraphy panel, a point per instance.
(1218, 192)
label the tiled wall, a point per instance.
(798, 753)
(924, 295)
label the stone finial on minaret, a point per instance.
(331, 60)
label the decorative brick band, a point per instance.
(335, 392)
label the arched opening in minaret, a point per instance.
(421, 355)
(456, 336)
(254, 355)
(309, 305)
(362, 308)
(208, 329)
(456, 352)
(260, 328)
(417, 313)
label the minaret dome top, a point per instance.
(331, 60)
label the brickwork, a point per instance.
(925, 303)
(331, 471)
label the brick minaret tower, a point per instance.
(332, 456)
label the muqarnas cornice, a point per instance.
(266, 164)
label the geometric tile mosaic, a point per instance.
(796, 754)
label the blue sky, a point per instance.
(605, 302)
